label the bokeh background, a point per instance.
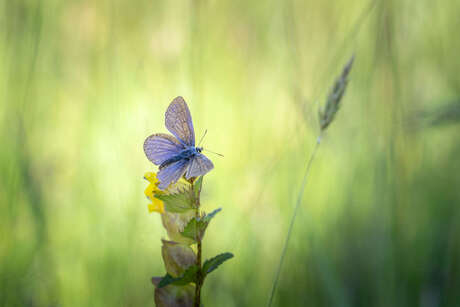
(83, 83)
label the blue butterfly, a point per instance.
(177, 156)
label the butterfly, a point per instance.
(176, 155)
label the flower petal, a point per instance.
(156, 206)
(150, 191)
(151, 177)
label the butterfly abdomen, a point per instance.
(185, 154)
(170, 161)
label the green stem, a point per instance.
(199, 281)
(291, 225)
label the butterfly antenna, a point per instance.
(216, 153)
(204, 134)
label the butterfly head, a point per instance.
(199, 149)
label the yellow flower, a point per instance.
(174, 223)
(152, 189)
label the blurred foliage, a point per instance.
(82, 83)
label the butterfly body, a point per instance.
(176, 155)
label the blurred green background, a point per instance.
(83, 83)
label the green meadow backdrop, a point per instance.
(83, 83)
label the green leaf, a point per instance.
(197, 186)
(166, 280)
(197, 226)
(177, 202)
(212, 264)
(190, 231)
(189, 276)
(208, 217)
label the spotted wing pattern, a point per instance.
(199, 165)
(179, 121)
(171, 173)
(159, 147)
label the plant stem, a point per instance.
(199, 281)
(291, 225)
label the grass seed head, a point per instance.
(327, 113)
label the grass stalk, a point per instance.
(326, 117)
(291, 224)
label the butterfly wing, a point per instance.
(172, 173)
(159, 147)
(179, 121)
(199, 165)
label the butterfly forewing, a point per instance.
(159, 147)
(199, 165)
(179, 121)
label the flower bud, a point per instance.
(173, 296)
(177, 257)
(175, 223)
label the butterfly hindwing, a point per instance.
(179, 121)
(159, 147)
(199, 165)
(171, 173)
